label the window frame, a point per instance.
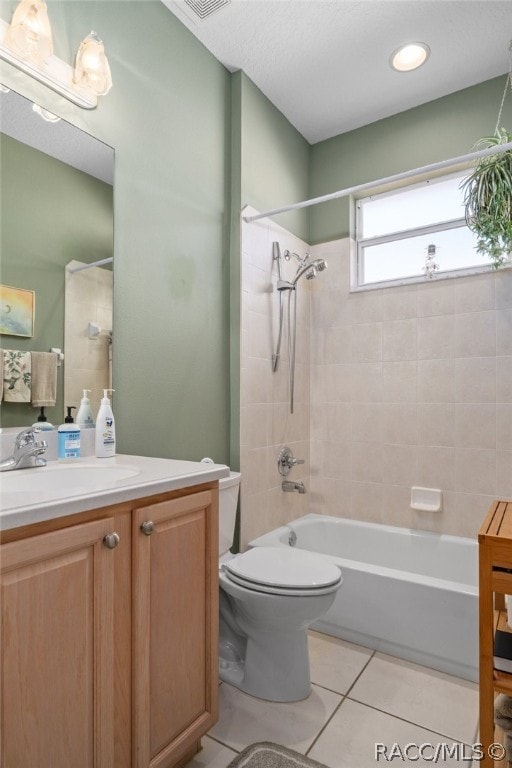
(357, 261)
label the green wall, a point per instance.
(50, 214)
(439, 130)
(274, 161)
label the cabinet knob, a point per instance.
(148, 527)
(111, 540)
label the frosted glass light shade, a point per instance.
(91, 66)
(30, 34)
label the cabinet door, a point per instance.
(57, 649)
(175, 626)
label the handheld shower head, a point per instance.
(310, 269)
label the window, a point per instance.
(395, 229)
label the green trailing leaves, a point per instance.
(488, 200)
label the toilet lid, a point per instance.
(283, 568)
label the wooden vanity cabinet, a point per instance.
(57, 642)
(109, 655)
(175, 640)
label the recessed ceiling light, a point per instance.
(409, 57)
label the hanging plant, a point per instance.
(488, 195)
(488, 201)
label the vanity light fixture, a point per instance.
(409, 57)
(27, 44)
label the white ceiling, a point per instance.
(324, 63)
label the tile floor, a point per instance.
(359, 697)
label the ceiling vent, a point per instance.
(205, 8)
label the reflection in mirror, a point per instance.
(56, 210)
(88, 333)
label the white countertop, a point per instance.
(138, 476)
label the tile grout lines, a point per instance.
(344, 697)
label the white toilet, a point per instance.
(268, 598)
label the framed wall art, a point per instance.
(17, 311)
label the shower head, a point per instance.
(310, 269)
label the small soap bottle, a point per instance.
(105, 429)
(68, 438)
(42, 422)
(84, 416)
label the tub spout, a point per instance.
(289, 486)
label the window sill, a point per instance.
(420, 279)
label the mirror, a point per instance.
(57, 218)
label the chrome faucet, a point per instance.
(289, 486)
(27, 451)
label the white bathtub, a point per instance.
(408, 593)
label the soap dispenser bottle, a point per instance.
(105, 428)
(84, 415)
(68, 438)
(42, 422)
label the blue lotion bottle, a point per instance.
(68, 438)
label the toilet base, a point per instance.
(276, 667)
(232, 672)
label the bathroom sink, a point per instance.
(77, 477)
(64, 488)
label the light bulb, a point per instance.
(91, 66)
(29, 33)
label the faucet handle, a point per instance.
(26, 436)
(286, 461)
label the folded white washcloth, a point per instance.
(16, 376)
(44, 379)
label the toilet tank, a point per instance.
(228, 500)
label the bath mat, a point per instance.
(264, 754)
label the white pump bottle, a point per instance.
(105, 429)
(84, 415)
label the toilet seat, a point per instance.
(283, 571)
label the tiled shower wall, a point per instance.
(410, 386)
(394, 388)
(266, 424)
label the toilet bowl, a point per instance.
(269, 597)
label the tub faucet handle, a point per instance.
(286, 461)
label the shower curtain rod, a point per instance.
(92, 264)
(387, 180)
